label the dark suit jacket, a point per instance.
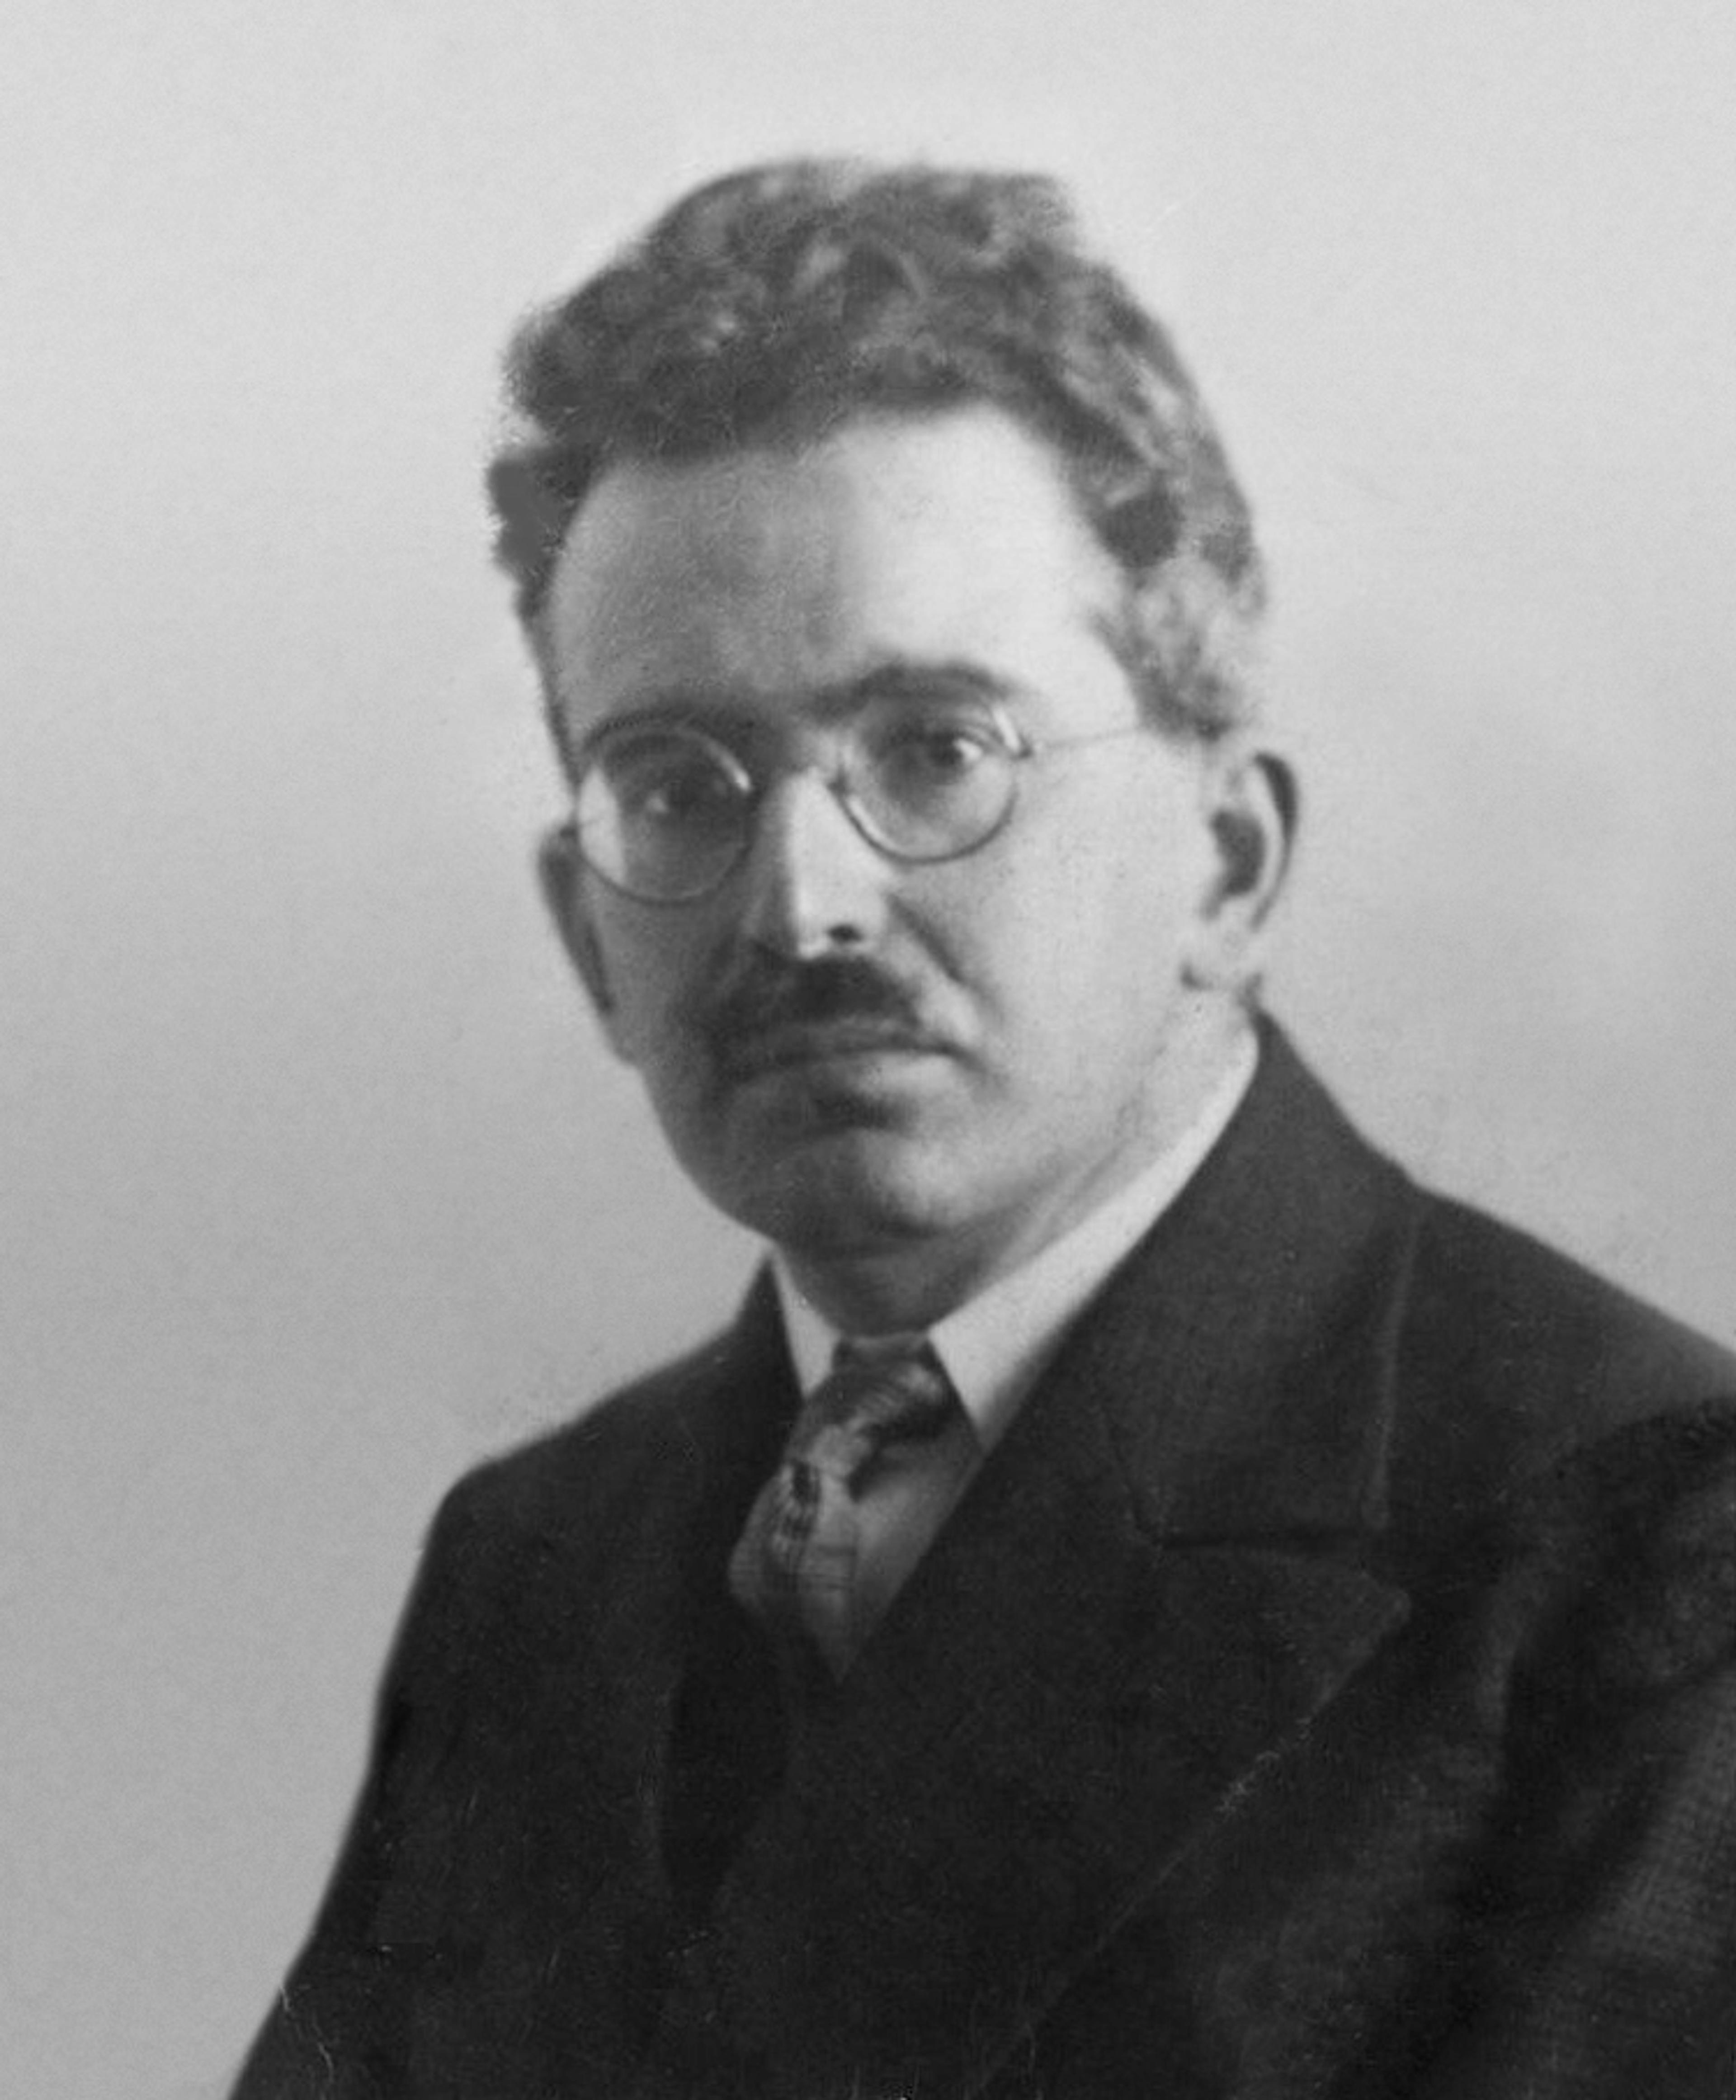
(1328, 1688)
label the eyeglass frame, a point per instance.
(1017, 743)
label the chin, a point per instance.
(853, 1189)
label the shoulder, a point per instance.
(1490, 1294)
(523, 1544)
(619, 1446)
(1510, 1359)
(525, 1540)
(1563, 1480)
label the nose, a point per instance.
(812, 884)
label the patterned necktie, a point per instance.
(795, 1562)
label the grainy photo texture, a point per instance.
(1144, 1594)
(867, 958)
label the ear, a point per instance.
(1252, 810)
(560, 875)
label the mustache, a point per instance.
(770, 1000)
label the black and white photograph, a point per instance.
(868, 955)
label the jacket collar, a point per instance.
(1144, 1598)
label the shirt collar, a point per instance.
(995, 1346)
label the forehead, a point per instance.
(760, 574)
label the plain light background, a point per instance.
(316, 1186)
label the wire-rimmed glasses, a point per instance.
(665, 810)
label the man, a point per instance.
(1144, 1599)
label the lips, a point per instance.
(754, 1054)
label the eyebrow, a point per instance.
(895, 678)
(903, 677)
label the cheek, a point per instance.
(1100, 917)
(650, 968)
(1081, 990)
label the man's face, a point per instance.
(854, 1056)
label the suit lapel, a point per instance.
(1149, 1591)
(591, 1830)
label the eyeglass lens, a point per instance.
(665, 810)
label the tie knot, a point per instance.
(876, 1394)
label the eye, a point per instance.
(932, 750)
(945, 752)
(668, 781)
(683, 791)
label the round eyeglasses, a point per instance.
(665, 811)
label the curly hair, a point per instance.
(779, 302)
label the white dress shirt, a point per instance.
(994, 1348)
